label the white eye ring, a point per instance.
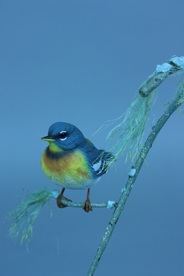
(62, 139)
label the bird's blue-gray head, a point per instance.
(65, 135)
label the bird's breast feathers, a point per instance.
(70, 170)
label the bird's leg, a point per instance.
(86, 206)
(60, 196)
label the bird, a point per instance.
(72, 161)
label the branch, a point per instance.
(109, 205)
(176, 102)
(160, 74)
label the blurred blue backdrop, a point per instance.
(82, 62)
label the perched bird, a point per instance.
(72, 161)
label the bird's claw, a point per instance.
(86, 206)
(61, 205)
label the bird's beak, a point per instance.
(48, 138)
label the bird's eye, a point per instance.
(63, 135)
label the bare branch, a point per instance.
(160, 74)
(176, 102)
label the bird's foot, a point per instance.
(61, 205)
(86, 206)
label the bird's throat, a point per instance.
(53, 147)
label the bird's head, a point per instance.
(64, 136)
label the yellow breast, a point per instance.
(69, 171)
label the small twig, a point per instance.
(160, 74)
(109, 204)
(177, 101)
(30, 207)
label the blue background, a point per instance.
(82, 62)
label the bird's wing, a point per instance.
(99, 160)
(101, 164)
